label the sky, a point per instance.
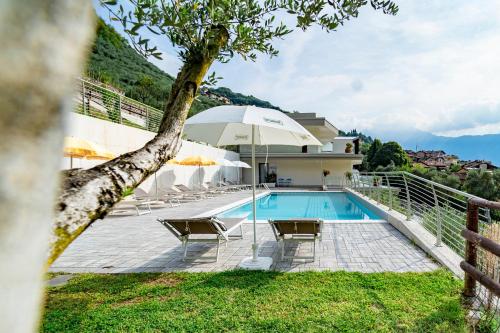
(434, 67)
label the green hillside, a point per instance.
(115, 62)
(240, 99)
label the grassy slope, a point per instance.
(239, 301)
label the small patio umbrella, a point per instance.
(226, 163)
(250, 125)
(80, 148)
(196, 160)
(240, 164)
(99, 153)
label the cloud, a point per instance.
(431, 68)
(357, 85)
(468, 116)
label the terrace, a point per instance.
(141, 244)
(418, 229)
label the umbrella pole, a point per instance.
(199, 175)
(254, 208)
(71, 162)
(156, 187)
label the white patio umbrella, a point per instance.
(237, 125)
(224, 162)
(240, 164)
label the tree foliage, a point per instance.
(114, 62)
(483, 183)
(446, 179)
(372, 151)
(390, 152)
(366, 139)
(250, 25)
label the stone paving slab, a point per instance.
(140, 244)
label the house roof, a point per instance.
(320, 127)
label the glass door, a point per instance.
(267, 173)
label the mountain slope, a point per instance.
(240, 99)
(115, 62)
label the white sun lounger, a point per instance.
(221, 228)
(302, 230)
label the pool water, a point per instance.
(324, 205)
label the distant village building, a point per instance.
(474, 165)
(432, 158)
(223, 99)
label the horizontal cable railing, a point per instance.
(99, 102)
(440, 209)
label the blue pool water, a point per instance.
(324, 205)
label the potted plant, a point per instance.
(348, 175)
(271, 180)
(376, 181)
(325, 174)
(348, 148)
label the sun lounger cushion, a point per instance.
(297, 226)
(197, 226)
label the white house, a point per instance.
(303, 166)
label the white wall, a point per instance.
(338, 145)
(303, 171)
(121, 139)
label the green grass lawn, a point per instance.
(241, 301)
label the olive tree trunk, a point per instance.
(87, 195)
(43, 47)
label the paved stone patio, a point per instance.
(140, 244)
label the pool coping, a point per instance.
(232, 205)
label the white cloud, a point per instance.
(433, 67)
(417, 70)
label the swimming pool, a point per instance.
(324, 205)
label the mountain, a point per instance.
(115, 62)
(467, 147)
(240, 99)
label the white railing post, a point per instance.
(370, 188)
(83, 97)
(120, 107)
(439, 226)
(390, 191)
(379, 190)
(408, 202)
(488, 215)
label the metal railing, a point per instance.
(440, 209)
(99, 102)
